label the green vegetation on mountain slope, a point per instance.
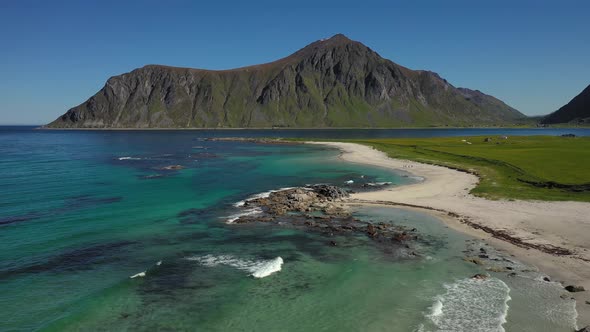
(335, 82)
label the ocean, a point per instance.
(96, 234)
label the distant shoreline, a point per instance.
(293, 128)
(535, 232)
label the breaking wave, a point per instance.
(247, 212)
(259, 195)
(143, 273)
(257, 269)
(471, 305)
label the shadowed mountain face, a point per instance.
(334, 82)
(577, 110)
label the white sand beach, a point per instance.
(535, 232)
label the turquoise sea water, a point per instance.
(81, 212)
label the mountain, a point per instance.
(333, 82)
(577, 110)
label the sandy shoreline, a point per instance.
(532, 231)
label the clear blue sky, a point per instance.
(535, 55)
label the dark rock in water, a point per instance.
(512, 274)
(584, 329)
(574, 289)
(172, 168)
(371, 231)
(546, 279)
(401, 237)
(318, 209)
(328, 191)
(587, 302)
(480, 276)
(315, 198)
(474, 260)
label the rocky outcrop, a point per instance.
(574, 289)
(322, 198)
(335, 82)
(329, 192)
(319, 208)
(172, 168)
(480, 276)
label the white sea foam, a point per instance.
(540, 299)
(349, 182)
(142, 274)
(436, 309)
(543, 301)
(375, 184)
(264, 194)
(129, 158)
(269, 267)
(257, 269)
(472, 305)
(247, 212)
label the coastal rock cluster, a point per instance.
(320, 208)
(323, 198)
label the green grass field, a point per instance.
(519, 167)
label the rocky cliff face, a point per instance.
(335, 82)
(576, 111)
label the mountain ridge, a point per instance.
(334, 82)
(576, 110)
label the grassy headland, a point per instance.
(517, 167)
